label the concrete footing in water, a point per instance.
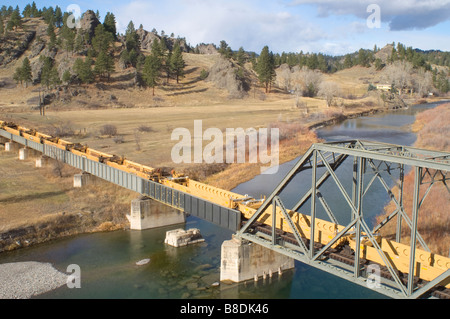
(242, 260)
(181, 237)
(147, 214)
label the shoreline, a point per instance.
(290, 153)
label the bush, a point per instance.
(203, 74)
(145, 129)
(109, 130)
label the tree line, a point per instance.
(96, 52)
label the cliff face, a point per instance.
(14, 44)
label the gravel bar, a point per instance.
(24, 280)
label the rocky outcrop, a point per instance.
(206, 48)
(13, 45)
(88, 23)
(146, 38)
(225, 75)
(38, 64)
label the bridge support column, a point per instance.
(42, 161)
(83, 179)
(242, 260)
(147, 214)
(11, 146)
(24, 153)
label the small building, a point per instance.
(384, 87)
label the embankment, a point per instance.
(433, 131)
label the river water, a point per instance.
(108, 260)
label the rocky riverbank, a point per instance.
(25, 280)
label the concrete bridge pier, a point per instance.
(242, 260)
(42, 161)
(11, 146)
(83, 179)
(147, 214)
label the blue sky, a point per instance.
(327, 26)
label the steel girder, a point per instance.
(370, 159)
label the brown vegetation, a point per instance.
(433, 128)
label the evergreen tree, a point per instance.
(67, 77)
(348, 61)
(26, 71)
(27, 11)
(49, 74)
(132, 46)
(2, 29)
(225, 50)
(177, 63)
(102, 40)
(67, 35)
(241, 56)
(15, 21)
(83, 70)
(58, 20)
(104, 65)
(52, 35)
(110, 24)
(265, 68)
(152, 70)
(23, 73)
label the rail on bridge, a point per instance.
(407, 270)
(343, 243)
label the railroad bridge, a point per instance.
(268, 236)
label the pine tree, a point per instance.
(177, 63)
(15, 21)
(241, 56)
(102, 40)
(110, 24)
(26, 71)
(265, 68)
(2, 29)
(68, 36)
(104, 65)
(67, 77)
(83, 70)
(152, 70)
(49, 74)
(132, 46)
(58, 17)
(52, 35)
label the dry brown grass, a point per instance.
(37, 206)
(434, 220)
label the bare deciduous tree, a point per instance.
(424, 82)
(399, 74)
(329, 91)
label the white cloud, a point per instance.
(400, 14)
(251, 24)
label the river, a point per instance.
(108, 260)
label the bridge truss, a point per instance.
(398, 264)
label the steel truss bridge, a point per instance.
(351, 250)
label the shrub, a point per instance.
(109, 130)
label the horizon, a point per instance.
(325, 26)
